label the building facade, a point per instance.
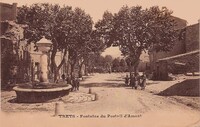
(184, 57)
(178, 48)
(13, 46)
(8, 11)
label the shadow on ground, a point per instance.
(117, 80)
(188, 87)
(152, 83)
(106, 84)
(13, 100)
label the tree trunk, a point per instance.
(56, 74)
(72, 69)
(136, 65)
(86, 69)
(130, 70)
(80, 70)
(53, 63)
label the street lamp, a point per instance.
(44, 46)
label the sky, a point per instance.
(184, 9)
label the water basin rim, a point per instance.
(17, 88)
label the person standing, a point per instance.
(73, 82)
(126, 80)
(137, 80)
(68, 79)
(63, 77)
(143, 84)
(132, 80)
(77, 83)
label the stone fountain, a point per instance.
(43, 90)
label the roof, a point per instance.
(180, 55)
(178, 18)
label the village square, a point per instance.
(137, 63)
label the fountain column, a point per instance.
(44, 67)
(44, 46)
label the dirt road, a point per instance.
(131, 107)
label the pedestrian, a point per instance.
(137, 80)
(132, 80)
(73, 82)
(77, 83)
(126, 80)
(143, 83)
(63, 77)
(68, 79)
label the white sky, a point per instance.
(185, 9)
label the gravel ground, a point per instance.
(142, 107)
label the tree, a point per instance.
(135, 30)
(90, 51)
(123, 65)
(82, 29)
(67, 29)
(95, 46)
(116, 64)
(51, 21)
(105, 27)
(108, 62)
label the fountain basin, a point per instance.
(31, 95)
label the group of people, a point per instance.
(136, 80)
(74, 81)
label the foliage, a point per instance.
(116, 64)
(134, 30)
(67, 29)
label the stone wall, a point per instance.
(187, 62)
(8, 11)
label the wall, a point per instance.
(8, 11)
(179, 46)
(187, 62)
(192, 38)
(180, 23)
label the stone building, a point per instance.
(16, 56)
(179, 46)
(192, 36)
(183, 58)
(8, 12)
(10, 35)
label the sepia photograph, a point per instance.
(98, 63)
